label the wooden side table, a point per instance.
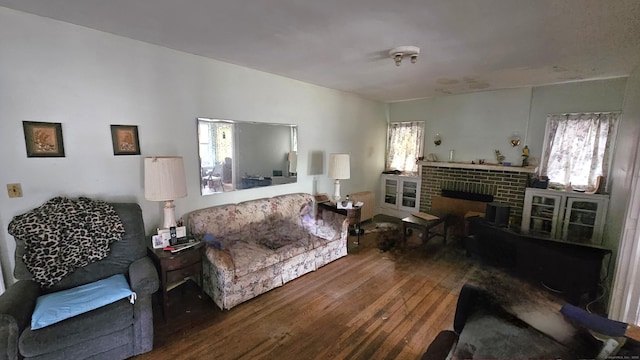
(175, 269)
(353, 215)
(425, 225)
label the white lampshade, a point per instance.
(339, 167)
(164, 180)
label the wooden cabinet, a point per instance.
(400, 195)
(572, 269)
(568, 216)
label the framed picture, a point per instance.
(125, 140)
(159, 241)
(43, 139)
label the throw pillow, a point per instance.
(61, 305)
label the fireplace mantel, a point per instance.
(464, 165)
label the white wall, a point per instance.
(586, 96)
(473, 125)
(87, 80)
(623, 220)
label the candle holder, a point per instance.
(437, 139)
(515, 139)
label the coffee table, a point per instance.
(415, 222)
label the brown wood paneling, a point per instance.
(457, 208)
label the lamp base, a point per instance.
(169, 215)
(336, 191)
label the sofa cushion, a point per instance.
(90, 325)
(277, 233)
(226, 241)
(122, 253)
(248, 257)
(64, 234)
(298, 247)
(61, 305)
(292, 206)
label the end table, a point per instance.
(175, 269)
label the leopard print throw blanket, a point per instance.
(65, 234)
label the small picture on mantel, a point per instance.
(125, 140)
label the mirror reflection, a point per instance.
(237, 155)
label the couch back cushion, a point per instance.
(122, 253)
(230, 219)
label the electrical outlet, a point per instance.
(14, 190)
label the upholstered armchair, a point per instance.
(115, 331)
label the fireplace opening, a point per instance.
(467, 190)
(466, 195)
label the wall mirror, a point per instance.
(237, 155)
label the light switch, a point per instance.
(14, 190)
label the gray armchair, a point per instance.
(115, 331)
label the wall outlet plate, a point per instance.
(14, 190)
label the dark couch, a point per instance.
(482, 329)
(115, 331)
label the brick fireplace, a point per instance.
(502, 184)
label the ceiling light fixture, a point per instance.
(404, 51)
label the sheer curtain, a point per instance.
(404, 145)
(578, 148)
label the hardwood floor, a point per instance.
(367, 305)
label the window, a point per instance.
(578, 148)
(216, 143)
(404, 145)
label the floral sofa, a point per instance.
(258, 245)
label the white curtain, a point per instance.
(578, 148)
(404, 145)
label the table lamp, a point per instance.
(164, 180)
(339, 169)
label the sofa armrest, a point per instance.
(470, 299)
(441, 346)
(330, 225)
(143, 277)
(16, 306)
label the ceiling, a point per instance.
(466, 45)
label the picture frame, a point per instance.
(43, 139)
(125, 140)
(158, 241)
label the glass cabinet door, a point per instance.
(580, 218)
(391, 191)
(409, 192)
(565, 215)
(544, 214)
